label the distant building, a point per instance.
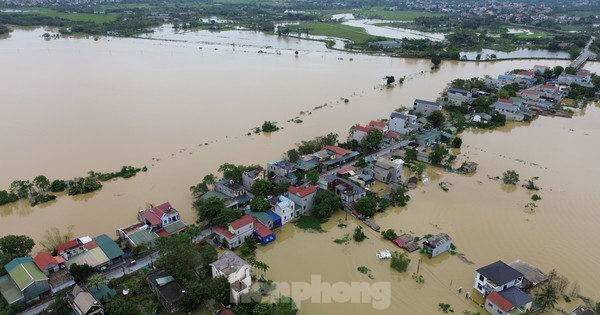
(437, 244)
(83, 303)
(426, 107)
(249, 177)
(385, 170)
(509, 108)
(403, 123)
(166, 288)
(459, 97)
(346, 190)
(511, 301)
(229, 188)
(281, 167)
(236, 232)
(429, 138)
(359, 133)
(237, 272)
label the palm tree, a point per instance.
(97, 280)
(547, 297)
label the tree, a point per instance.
(313, 176)
(293, 155)
(436, 118)
(208, 209)
(80, 272)
(227, 216)
(57, 185)
(366, 206)
(558, 70)
(510, 177)
(6, 197)
(571, 70)
(177, 255)
(20, 188)
(259, 204)
(436, 60)
(263, 309)
(284, 306)
(389, 234)
(438, 154)
(262, 188)
(83, 185)
(361, 163)
(547, 297)
(399, 261)
(411, 155)
(247, 249)
(208, 253)
(374, 137)
(390, 79)
(358, 235)
(122, 305)
(199, 189)
(42, 183)
(54, 237)
(219, 290)
(328, 139)
(234, 172)
(16, 245)
(457, 142)
(97, 280)
(269, 126)
(326, 202)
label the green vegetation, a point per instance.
(6, 197)
(547, 296)
(363, 270)
(249, 247)
(358, 235)
(269, 126)
(445, 308)
(398, 197)
(83, 185)
(227, 216)
(42, 198)
(510, 177)
(399, 261)
(333, 29)
(536, 197)
(384, 14)
(389, 234)
(260, 204)
(531, 184)
(438, 154)
(125, 172)
(456, 142)
(436, 118)
(366, 206)
(58, 186)
(310, 222)
(204, 185)
(73, 16)
(54, 237)
(343, 240)
(326, 202)
(80, 273)
(13, 246)
(418, 278)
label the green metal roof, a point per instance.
(24, 272)
(93, 257)
(213, 193)
(108, 246)
(142, 237)
(9, 290)
(165, 280)
(174, 227)
(263, 217)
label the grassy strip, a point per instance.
(356, 34)
(77, 17)
(380, 13)
(309, 222)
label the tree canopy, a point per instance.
(374, 137)
(54, 237)
(436, 118)
(227, 216)
(366, 206)
(208, 209)
(262, 188)
(16, 245)
(326, 202)
(438, 154)
(259, 204)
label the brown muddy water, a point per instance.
(74, 105)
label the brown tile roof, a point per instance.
(302, 191)
(42, 260)
(241, 222)
(502, 303)
(68, 245)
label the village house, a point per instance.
(249, 177)
(92, 255)
(285, 208)
(437, 244)
(264, 218)
(166, 288)
(407, 242)
(539, 70)
(83, 303)
(385, 170)
(163, 220)
(262, 233)
(236, 232)
(110, 249)
(303, 197)
(24, 281)
(511, 301)
(229, 188)
(403, 123)
(379, 126)
(281, 167)
(429, 138)
(582, 77)
(47, 263)
(532, 276)
(346, 190)
(68, 249)
(468, 167)
(497, 276)
(359, 133)
(237, 272)
(332, 156)
(425, 107)
(459, 97)
(509, 108)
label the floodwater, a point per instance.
(183, 108)
(518, 53)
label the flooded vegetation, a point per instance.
(184, 107)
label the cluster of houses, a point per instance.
(30, 279)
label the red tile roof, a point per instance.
(503, 100)
(549, 87)
(42, 260)
(302, 191)
(345, 170)
(498, 300)
(162, 233)
(583, 73)
(68, 245)
(391, 135)
(154, 215)
(241, 222)
(363, 128)
(59, 260)
(261, 230)
(337, 150)
(530, 92)
(526, 73)
(375, 123)
(90, 245)
(221, 231)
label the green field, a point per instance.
(525, 35)
(379, 13)
(96, 18)
(356, 34)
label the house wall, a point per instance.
(481, 284)
(493, 309)
(286, 213)
(306, 204)
(440, 249)
(424, 108)
(458, 99)
(228, 191)
(36, 289)
(51, 268)
(358, 135)
(242, 233)
(402, 126)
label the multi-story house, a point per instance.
(426, 107)
(403, 123)
(459, 97)
(385, 170)
(236, 232)
(304, 197)
(237, 272)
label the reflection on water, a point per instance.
(101, 104)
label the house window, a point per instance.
(481, 278)
(490, 304)
(499, 312)
(480, 287)
(505, 286)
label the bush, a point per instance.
(536, 198)
(510, 177)
(399, 261)
(359, 236)
(457, 142)
(42, 198)
(389, 234)
(269, 126)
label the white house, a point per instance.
(285, 208)
(437, 244)
(304, 197)
(403, 123)
(236, 232)
(459, 96)
(249, 177)
(496, 277)
(237, 272)
(385, 170)
(425, 107)
(509, 109)
(359, 132)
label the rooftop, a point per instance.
(24, 272)
(502, 303)
(363, 128)
(499, 272)
(10, 290)
(517, 297)
(241, 222)
(82, 300)
(94, 257)
(302, 191)
(261, 230)
(68, 245)
(165, 285)
(375, 123)
(438, 239)
(229, 260)
(42, 260)
(108, 246)
(154, 215)
(420, 101)
(530, 272)
(337, 150)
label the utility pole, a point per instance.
(419, 266)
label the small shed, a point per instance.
(531, 274)
(407, 242)
(468, 167)
(437, 244)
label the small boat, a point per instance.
(384, 254)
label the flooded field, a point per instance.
(183, 108)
